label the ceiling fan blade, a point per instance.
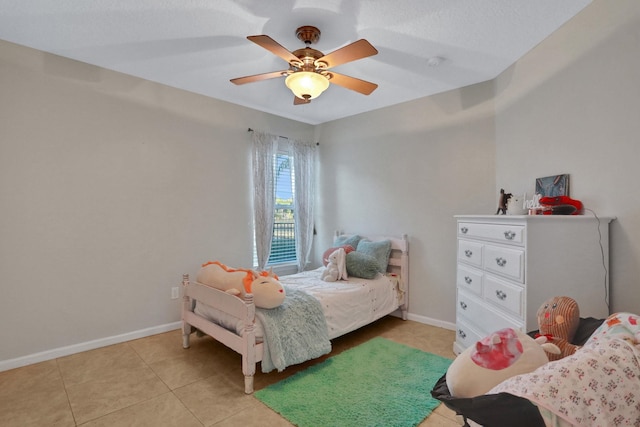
(356, 50)
(362, 86)
(274, 47)
(258, 77)
(300, 101)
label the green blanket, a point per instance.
(294, 332)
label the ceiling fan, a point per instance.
(308, 74)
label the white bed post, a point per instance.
(249, 344)
(186, 306)
(404, 260)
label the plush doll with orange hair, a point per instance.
(267, 291)
(558, 320)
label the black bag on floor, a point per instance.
(490, 410)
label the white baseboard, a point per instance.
(431, 321)
(30, 359)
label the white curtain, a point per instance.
(304, 161)
(264, 150)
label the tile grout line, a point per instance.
(172, 391)
(66, 392)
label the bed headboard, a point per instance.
(398, 260)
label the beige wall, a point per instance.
(111, 187)
(571, 106)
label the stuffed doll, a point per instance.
(266, 289)
(558, 320)
(336, 269)
(495, 358)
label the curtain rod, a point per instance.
(279, 136)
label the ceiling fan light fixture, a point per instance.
(307, 84)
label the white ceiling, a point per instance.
(198, 45)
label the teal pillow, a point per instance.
(361, 265)
(380, 250)
(351, 240)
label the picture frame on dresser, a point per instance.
(552, 186)
(508, 265)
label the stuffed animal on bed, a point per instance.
(266, 289)
(336, 269)
(495, 358)
(558, 320)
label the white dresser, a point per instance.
(508, 265)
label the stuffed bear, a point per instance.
(495, 358)
(558, 320)
(266, 289)
(336, 269)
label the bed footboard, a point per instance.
(245, 345)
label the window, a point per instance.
(283, 196)
(283, 241)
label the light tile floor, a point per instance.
(154, 382)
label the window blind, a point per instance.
(283, 243)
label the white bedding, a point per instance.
(347, 305)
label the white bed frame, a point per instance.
(246, 344)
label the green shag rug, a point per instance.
(378, 383)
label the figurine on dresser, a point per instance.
(502, 203)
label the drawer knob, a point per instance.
(468, 253)
(501, 295)
(509, 235)
(462, 334)
(468, 280)
(501, 262)
(463, 305)
(464, 230)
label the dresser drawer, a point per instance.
(466, 335)
(487, 319)
(470, 252)
(506, 295)
(504, 233)
(470, 279)
(504, 261)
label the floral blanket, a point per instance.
(599, 385)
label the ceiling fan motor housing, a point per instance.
(308, 34)
(308, 57)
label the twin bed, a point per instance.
(255, 333)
